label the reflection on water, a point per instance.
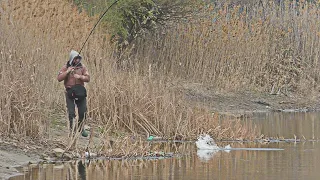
(296, 161)
(289, 124)
(82, 170)
(205, 154)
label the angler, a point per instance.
(75, 74)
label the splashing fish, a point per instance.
(205, 142)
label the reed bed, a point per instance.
(265, 47)
(30, 59)
(142, 99)
(23, 100)
(154, 106)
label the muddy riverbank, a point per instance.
(12, 156)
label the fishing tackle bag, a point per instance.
(77, 92)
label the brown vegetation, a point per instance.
(33, 47)
(268, 48)
(235, 52)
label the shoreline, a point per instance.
(12, 157)
(236, 104)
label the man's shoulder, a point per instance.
(64, 67)
(83, 66)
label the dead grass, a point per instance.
(30, 59)
(268, 48)
(35, 41)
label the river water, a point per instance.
(300, 160)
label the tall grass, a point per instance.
(25, 86)
(31, 55)
(148, 104)
(32, 51)
(263, 47)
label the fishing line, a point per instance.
(97, 24)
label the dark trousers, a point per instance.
(82, 110)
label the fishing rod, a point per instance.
(100, 18)
(97, 24)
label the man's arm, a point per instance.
(85, 77)
(63, 73)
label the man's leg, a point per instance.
(71, 110)
(82, 111)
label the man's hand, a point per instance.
(77, 76)
(70, 69)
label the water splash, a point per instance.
(205, 142)
(207, 148)
(227, 148)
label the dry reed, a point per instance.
(266, 48)
(120, 100)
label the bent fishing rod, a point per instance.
(105, 12)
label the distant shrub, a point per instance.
(132, 18)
